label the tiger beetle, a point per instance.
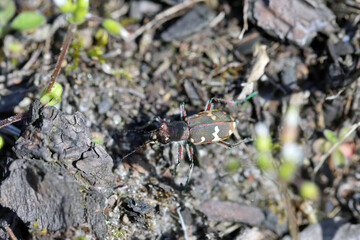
(209, 126)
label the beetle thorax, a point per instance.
(178, 131)
(171, 132)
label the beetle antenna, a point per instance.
(141, 146)
(137, 131)
(208, 107)
(248, 97)
(135, 150)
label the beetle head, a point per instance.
(161, 135)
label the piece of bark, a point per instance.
(63, 138)
(189, 24)
(61, 178)
(232, 212)
(39, 193)
(295, 20)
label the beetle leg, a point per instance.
(229, 146)
(182, 111)
(191, 158)
(209, 105)
(180, 152)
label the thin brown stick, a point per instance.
(294, 230)
(13, 119)
(163, 17)
(10, 232)
(34, 56)
(245, 17)
(64, 48)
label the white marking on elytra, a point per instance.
(212, 116)
(202, 139)
(230, 132)
(215, 134)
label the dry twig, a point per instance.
(64, 48)
(245, 17)
(10, 232)
(163, 17)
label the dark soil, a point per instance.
(63, 171)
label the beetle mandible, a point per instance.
(208, 126)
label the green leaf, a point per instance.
(232, 165)
(27, 20)
(7, 11)
(53, 97)
(344, 131)
(80, 11)
(287, 170)
(309, 190)
(15, 46)
(338, 158)
(1, 142)
(265, 161)
(101, 37)
(65, 5)
(98, 140)
(319, 145)
(330, 136)
(112, 26)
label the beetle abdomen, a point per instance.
(210, 126)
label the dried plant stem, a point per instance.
(10, 232)
(64, 48)
(294, 231)
(245, 17)
(163, 17)
(13, 119)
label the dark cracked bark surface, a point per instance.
(42, 193)
(60, 178)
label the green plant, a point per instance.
(23, 21)
(75, 48)
(96, 51)
(1, 142)
(309, 190)
(330, 139)
(280, 161)
(7, 11)
(77, 9)
(53, 97)
(98, 140)
(115, 28)
(27, 20)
